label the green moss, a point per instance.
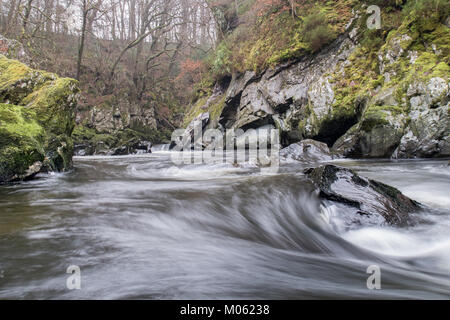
(16, 120)
(82, 133)
(21, 141)
(18, 80)
(377, 116)
(195, 111)
(47, 99)
(58, 152)
(108, 140)
(54, 104)
(12, 72)
(216, 107)
(277, 35)
(361, 79)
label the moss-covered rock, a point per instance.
(377, 135)
(21, 143)
(214, 105)
(51, 102)
(428, 134)
(88, 141)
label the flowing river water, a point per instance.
(140, 227)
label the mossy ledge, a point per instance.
(37, 118)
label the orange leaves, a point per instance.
(190, 65)
(3, 47)
(262, 7)
(191, 71)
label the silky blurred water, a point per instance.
(140, 227)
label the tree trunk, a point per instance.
(82, 40)
(26, 16)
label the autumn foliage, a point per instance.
(191, 72)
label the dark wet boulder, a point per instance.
(307, 151)
(142, 147)
(369, 201)
(121, 151)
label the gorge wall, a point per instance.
(366, 97)
(115, 127)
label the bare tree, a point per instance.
(89, 9)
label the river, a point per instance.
(140, 227)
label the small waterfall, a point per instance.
(161, 148)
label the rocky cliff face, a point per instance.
(112, 116)
(363, 97)
(37, 117)
(115, 128)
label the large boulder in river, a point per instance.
(369, 201)
(37, 118)
(307, 151)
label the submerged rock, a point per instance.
(307, 151)
(369, 201)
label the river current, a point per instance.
(140, 227)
